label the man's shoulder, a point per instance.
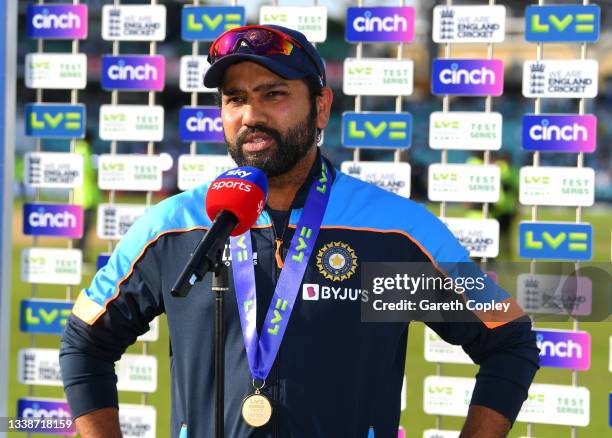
(183, 211)
(356, 204)
(354, 195)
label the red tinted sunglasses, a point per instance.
(261, 40)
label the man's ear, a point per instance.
(324, 103)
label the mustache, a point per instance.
(258, 129)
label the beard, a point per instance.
(286, 151)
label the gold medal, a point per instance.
(256, 409)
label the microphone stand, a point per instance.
(220, 287)
(207, 257)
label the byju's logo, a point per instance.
(562, 23)
(134, 72)
(559, 133)
(315, 292)
(564, 349)
(44, 316)
(310, 292)
(206, 23)
(57, 21)
(201, 124)
(55, 120)
(468, 77)
(376, 129)
(391, 24)
(555, 241)
(53, 220)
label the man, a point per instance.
(332, 376)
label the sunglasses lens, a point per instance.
(260, 41)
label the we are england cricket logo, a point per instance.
(337, 261)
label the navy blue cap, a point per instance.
(302, 62)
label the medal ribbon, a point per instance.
(262, 352)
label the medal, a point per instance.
(256, 408)
(261, 351)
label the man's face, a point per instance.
(268, 122)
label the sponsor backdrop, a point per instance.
(475, 182)
(559, 186)
(133, 71)
(59, 261)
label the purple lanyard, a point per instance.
(262, 352)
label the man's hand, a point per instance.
(101, 423)
(483, 422)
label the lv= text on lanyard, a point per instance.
(262, 351)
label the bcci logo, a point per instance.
(337, 261)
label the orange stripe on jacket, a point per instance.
(88, 309)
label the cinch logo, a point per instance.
(54, 220)
(457, 76)
(556, 241)
(57, 21)
(368, 23)
(376, 129)
(121, 71)
(45, 20)
(44, 316)
(564, 349)
(55, 120)
(206, 23)
(133, 72)
(468, 77)
(201, 124)
(41, 408)
(391, 24)
(562, 23)
(562, 133)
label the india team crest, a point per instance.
(336, 261)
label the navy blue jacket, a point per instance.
(334, 376)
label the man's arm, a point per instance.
(508, 357)
(483, 422)
(108, 317)
(102, 423)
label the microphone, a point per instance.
(234, 201)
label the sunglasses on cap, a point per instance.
(261, 40)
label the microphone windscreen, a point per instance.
(241, 191)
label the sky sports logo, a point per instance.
(201, 124)
(55, 120)
(468, 77)
(380, 24)
(57, 21)
(562, 23)
(559, 133)
(376, 129)
(133, 72)
(555, 241)
(206, 23)
(53, 220)
(564, 349)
